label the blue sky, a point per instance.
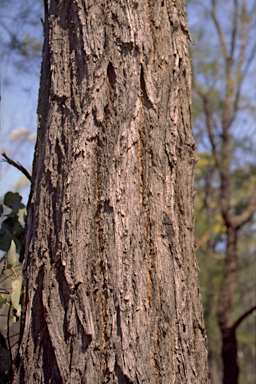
(19, 90)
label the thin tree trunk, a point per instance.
(110, 278)
(225, 307)
(229, 356)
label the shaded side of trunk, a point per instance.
(111, 290)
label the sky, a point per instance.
(19, 82)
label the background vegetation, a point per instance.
(224, 127)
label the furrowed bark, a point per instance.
(110, 287)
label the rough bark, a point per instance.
(110, 278)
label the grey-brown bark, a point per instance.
(110, 285)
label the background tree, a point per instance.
(224, 123)
(20, 39)
(20, 52)
(110, 278)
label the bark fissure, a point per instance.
(116, 206)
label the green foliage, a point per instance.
(30, 47)
(11, 228)
(11, 235)
(11, 255)
(5, 360)
(15, 294)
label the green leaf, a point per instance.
(12, 224)
(3, 300)
(5, 360)
(18, 312)
(16, 315)
(11, 255)
(13, 201)
(4, 378)
(5, 241)
(11, 230)
(16, 292)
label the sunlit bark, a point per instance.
(110, 278)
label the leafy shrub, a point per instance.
(11, 237)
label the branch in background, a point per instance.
(238, 78)
(237, 221)
(219, 30)
(234, 29)
(208, 118)
(243, 317)
(17, 165)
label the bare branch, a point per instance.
(234, 29)
(17, 165)
(243, 317)
(243, 42)
(219, 30)
(243, 39)
(208, 118)
(244, 217)
(239, 86)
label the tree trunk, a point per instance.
(229, 356)
(110, 278)
(225, 310)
